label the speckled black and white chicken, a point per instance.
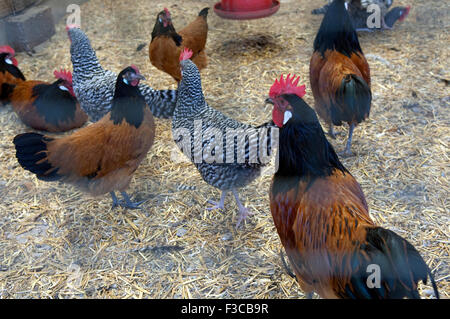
(205, 134)
(94, 86)
(358, 8)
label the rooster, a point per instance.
(167, 44)
(10, 74)
(94, 86)
(322, 217)
(339, 73)
(48, 107)
(228, 154)
(103, 156)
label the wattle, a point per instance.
(277, 117)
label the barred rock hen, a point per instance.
(228, 154)
(94, 86)
(103, 156)
(10, 74)
(323, 221)
(167, 43)
(339, 73)
(48, 107)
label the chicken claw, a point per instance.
(243, 211)
(126, 203)
(218, 205)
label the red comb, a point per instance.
(63, 75)
(185, 54)
(288, 86)
(72, 26)
(167, 12)
(135, 68)
(405, 14)
(7, 49)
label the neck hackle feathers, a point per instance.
(287, 86)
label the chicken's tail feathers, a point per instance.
(286, 266)
(433, 283)
(161, 102)
(203, 12)
(355, 96)
(321, 10)
(31, 153)
(400, 268)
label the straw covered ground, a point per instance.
(56, 242)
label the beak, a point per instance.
(269, 101)
(167, 21)
(136, 76)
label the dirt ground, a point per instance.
(56, 242)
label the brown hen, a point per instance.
(167, 43)
(103, 156)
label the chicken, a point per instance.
(360, 11)
(48, 107)
(396, 14)
(323, 221)
(339, 73)
(382, 4)
(103, 156)
(228, 154)
(10, 74)
(94, 86)
(167, 44)
(360, 17)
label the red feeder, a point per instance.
(246, 9)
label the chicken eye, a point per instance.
(63, 88)
(9, 61)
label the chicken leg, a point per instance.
(220, 205)
(243, 211)
(126, 202)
